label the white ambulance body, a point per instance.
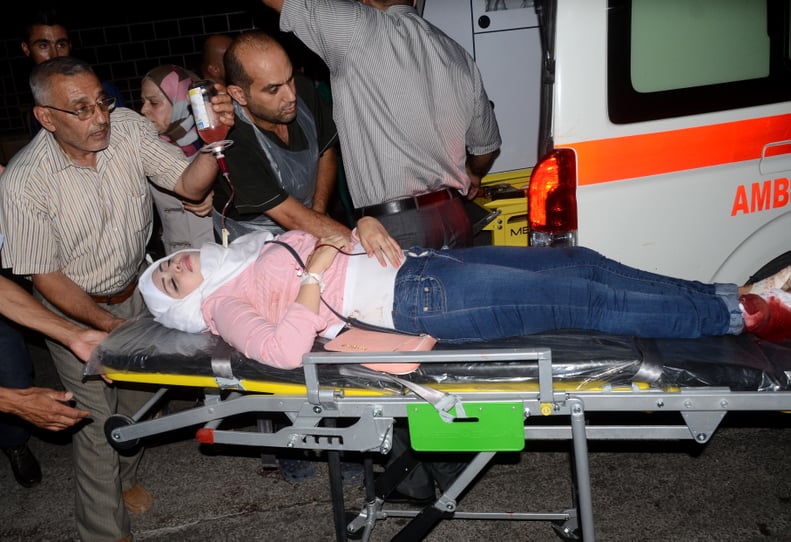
(664, 128)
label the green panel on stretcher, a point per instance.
(488, 427)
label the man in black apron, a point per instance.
(283, 162)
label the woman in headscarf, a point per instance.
(264, 301)
(164, 92)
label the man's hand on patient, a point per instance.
(377, 242)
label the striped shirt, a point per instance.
(92, 224)
(408, 101)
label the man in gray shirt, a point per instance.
(416, 127)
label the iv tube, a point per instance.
(224, 170)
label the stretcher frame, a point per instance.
(313, 410)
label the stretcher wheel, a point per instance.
(567, 530)
(114, 422)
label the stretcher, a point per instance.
(476, 399)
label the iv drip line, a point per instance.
(224, 170)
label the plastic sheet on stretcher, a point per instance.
(144, 351)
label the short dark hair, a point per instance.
(60, 65)
(235, 73)
(41, 13)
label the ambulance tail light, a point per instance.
(552, 200)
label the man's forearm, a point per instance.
(293, 215)
(198, 177)
(479, 165)
(326, 180)
(21, 307)
(69, 298)
(277, 5)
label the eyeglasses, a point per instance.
(85, 112)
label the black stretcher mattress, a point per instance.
(741, 363)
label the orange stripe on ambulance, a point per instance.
(665, 135)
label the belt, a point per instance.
(407, 204)
(114, 299)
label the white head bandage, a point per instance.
(218, 266)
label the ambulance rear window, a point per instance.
(670, 58)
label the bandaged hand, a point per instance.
(377, 242)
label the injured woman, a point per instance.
(259, 296)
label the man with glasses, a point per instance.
(76, 211)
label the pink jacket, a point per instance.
(256, 314)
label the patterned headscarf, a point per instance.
(174, 82)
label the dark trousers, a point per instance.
(441, 225)
(434, 468)
(16, 371)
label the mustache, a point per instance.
(99, 128)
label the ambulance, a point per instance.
(662, 129)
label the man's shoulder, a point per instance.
(128, 124)
(245, 143)
(32, 161)
(125, 115)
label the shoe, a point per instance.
(396, 497)
(26, 469)
(295, 470)
(352, 473)
(768, 315)
(779, 281)
(137, 499)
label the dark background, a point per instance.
(125, 40)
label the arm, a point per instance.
(281, 343)
(199, 176)
(325, 180)
(477, 168)
(62, 292)
(22, 308)
(376, 241)
(41, 406)
(277, 5)
(202, 208)
(292, 215)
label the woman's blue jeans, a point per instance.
(491, 292)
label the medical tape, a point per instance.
(223, 374)
(441, 401)
(652, 366)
